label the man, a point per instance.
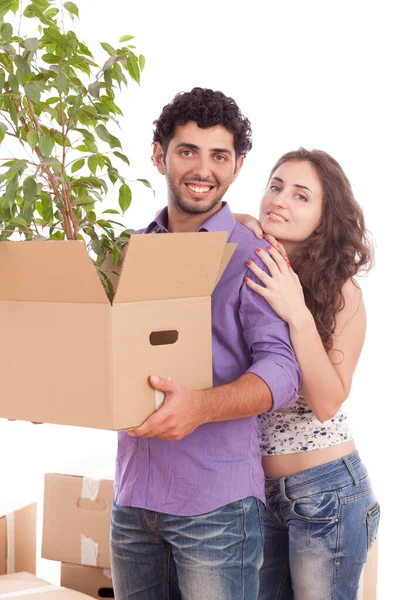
(189, 483)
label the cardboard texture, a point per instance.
(79, 360)
(90, 580)
(18, 541)
(76, 529)
(23, 586)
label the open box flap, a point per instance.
(228, 253)
(175, 265)
(52, 271)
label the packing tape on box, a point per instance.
(107, 573)
(89, 552)
(91, 482)
(10, 524)
(26, 592)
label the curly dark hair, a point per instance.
(207, 108)
(340, 247)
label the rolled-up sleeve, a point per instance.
(268, 340)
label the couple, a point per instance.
(198, 514)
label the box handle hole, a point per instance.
(163, 338)
(106, 593)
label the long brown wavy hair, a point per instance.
(339, 248)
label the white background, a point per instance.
(317, 74)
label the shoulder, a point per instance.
(246, 238)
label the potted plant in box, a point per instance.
(57, 113)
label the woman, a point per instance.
(322, 515)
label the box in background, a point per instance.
(24, 586)
(93, 581)
(76, 518)
(18, 541)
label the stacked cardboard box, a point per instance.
(18, 540)
(76, 529)
(24, 586)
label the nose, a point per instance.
(202, 169)
(280, 199)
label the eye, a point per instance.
(301, 197)
(186, 153)
(274, 188)
(220, 158)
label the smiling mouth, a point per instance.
(275, 217)
(199, 189)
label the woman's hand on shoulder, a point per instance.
(281, 288)
(250, 222)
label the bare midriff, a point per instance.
(281, 465)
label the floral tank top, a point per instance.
(297, 429)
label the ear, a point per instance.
(158, 157)
(239, 165)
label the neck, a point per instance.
(181, 222)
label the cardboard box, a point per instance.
(18, 541)
(24, 586)
(76, 519)
(80, 360)
(369, 578)
(90, 580)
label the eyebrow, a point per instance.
(194, 147)
(298, 185)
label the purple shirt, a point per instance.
(218, 463)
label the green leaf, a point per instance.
(147, 184)
(33, 91)
(125, 197)
(61, 82)
(32, 138)
(103, 133)
(97, 247)
(3, 131)
(31, 44)
(13, 83)
(109, 49)
(133, 69)
(29, 188)
(46, 145)
(18, 221)
(114, 142)
(72, 8)
(142, 62)
(2, 79)
(93, 164)
(5, 6)
(78, 164)
(22, 65)
(6, 31)
(126, 38)
(122, 157)
(111, 211)
(51, 58)
(108, 78)
(75, 105)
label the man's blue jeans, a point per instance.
(217, 555)
(319, 526)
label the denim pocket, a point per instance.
(373, 516)
(318, 508)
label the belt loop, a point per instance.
(351, 470)
(282, 489)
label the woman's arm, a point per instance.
(327, 377)
(250, 222)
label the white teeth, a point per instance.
(275, 216)
(199, 190)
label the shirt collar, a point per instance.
(222, 220)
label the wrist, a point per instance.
(301, 321)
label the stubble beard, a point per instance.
(191, 207)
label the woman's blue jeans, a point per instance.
(215, 556)
(319, 526)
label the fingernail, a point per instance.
(155, 379)
(269, 247)
(249, 262)
(246, 279)
(258, 249)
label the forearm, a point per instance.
(247, 396)
(323, 389)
